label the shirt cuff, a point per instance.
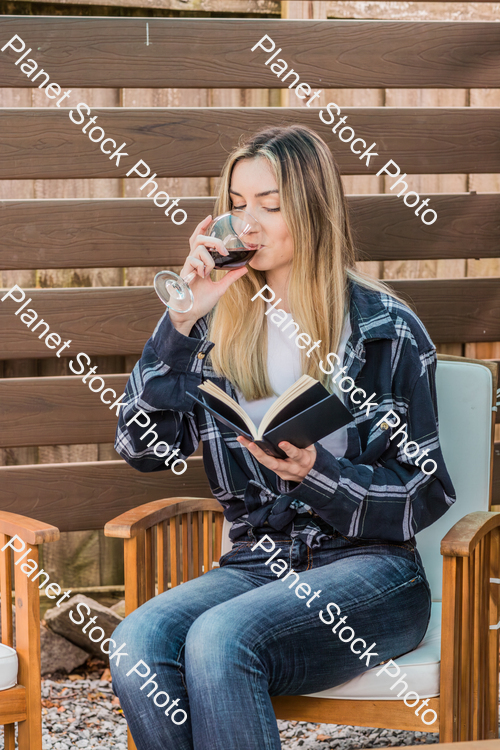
(181, 353)
(319, 485)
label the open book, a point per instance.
(302, 415)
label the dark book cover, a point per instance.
(307, 419)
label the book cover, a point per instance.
(310, 417)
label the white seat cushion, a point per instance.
(8, 667)
(421, 667)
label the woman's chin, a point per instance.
(259, 264)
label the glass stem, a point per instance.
(188, 279)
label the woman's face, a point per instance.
(254, 189)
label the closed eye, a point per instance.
(242, 208)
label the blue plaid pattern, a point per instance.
(374, 492)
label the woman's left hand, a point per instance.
(293, 469)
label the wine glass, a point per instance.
(240, 234)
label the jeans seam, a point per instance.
(234, 551)
(181, 673)
(389, 592)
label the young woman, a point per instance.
(343, 511)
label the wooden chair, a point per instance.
(170, 541)
(22, 703)
(182, 142)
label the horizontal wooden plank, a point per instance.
(194, 142)
(81, 496)
(375, 713)
(455, 310)
(134, 232)
(13, 705)
(104, 320)
(58, 410)
(216, 53)
(117, 320)
(237, 7)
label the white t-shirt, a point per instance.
(284, 368)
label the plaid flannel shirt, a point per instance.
(374, 492)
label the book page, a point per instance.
(221, 395)
(302, 384)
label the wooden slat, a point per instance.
(161, 554)
(6, 591)
(196, 544)
(464, 626)
(88, 495)
(219, 6)
(174, 550)
(49, 411)
(28, 652)
(189, 546)
(186, 521)
(192, 53)
(455, 309)
(194, 142)
(451, 665)
(219, 520)
(9, 737)
(135, 580)
(120, 320)
(148, 564)
(207, 540)
(105, 320)
(492, 708)
(381, 713)
(496, 475)
(106, 233)
(476, 698)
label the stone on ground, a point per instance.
(59, 621)
(59, 654)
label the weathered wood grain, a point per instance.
(496, 476)
(192, 53)
(106, 320)
(180, 142)
(134, 232)
(60, 410)
(81, 496)
(210, 6)
(114, 320)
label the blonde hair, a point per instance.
(314, 209)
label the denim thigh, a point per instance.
(376, 593)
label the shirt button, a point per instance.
(201, 355)
(384, 426)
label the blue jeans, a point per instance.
(223, 643)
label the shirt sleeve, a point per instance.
(157, 409)
(391, 499)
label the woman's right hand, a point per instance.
(205, 291)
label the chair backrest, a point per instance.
(193, 142)
(465, 394)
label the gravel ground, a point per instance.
(81, 711)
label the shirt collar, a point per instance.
(370, 318)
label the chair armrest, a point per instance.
(31, 531)
(470, 611)
(131, 523)
(464, 536)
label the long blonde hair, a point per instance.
(314, 209)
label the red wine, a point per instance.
(235, 259)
